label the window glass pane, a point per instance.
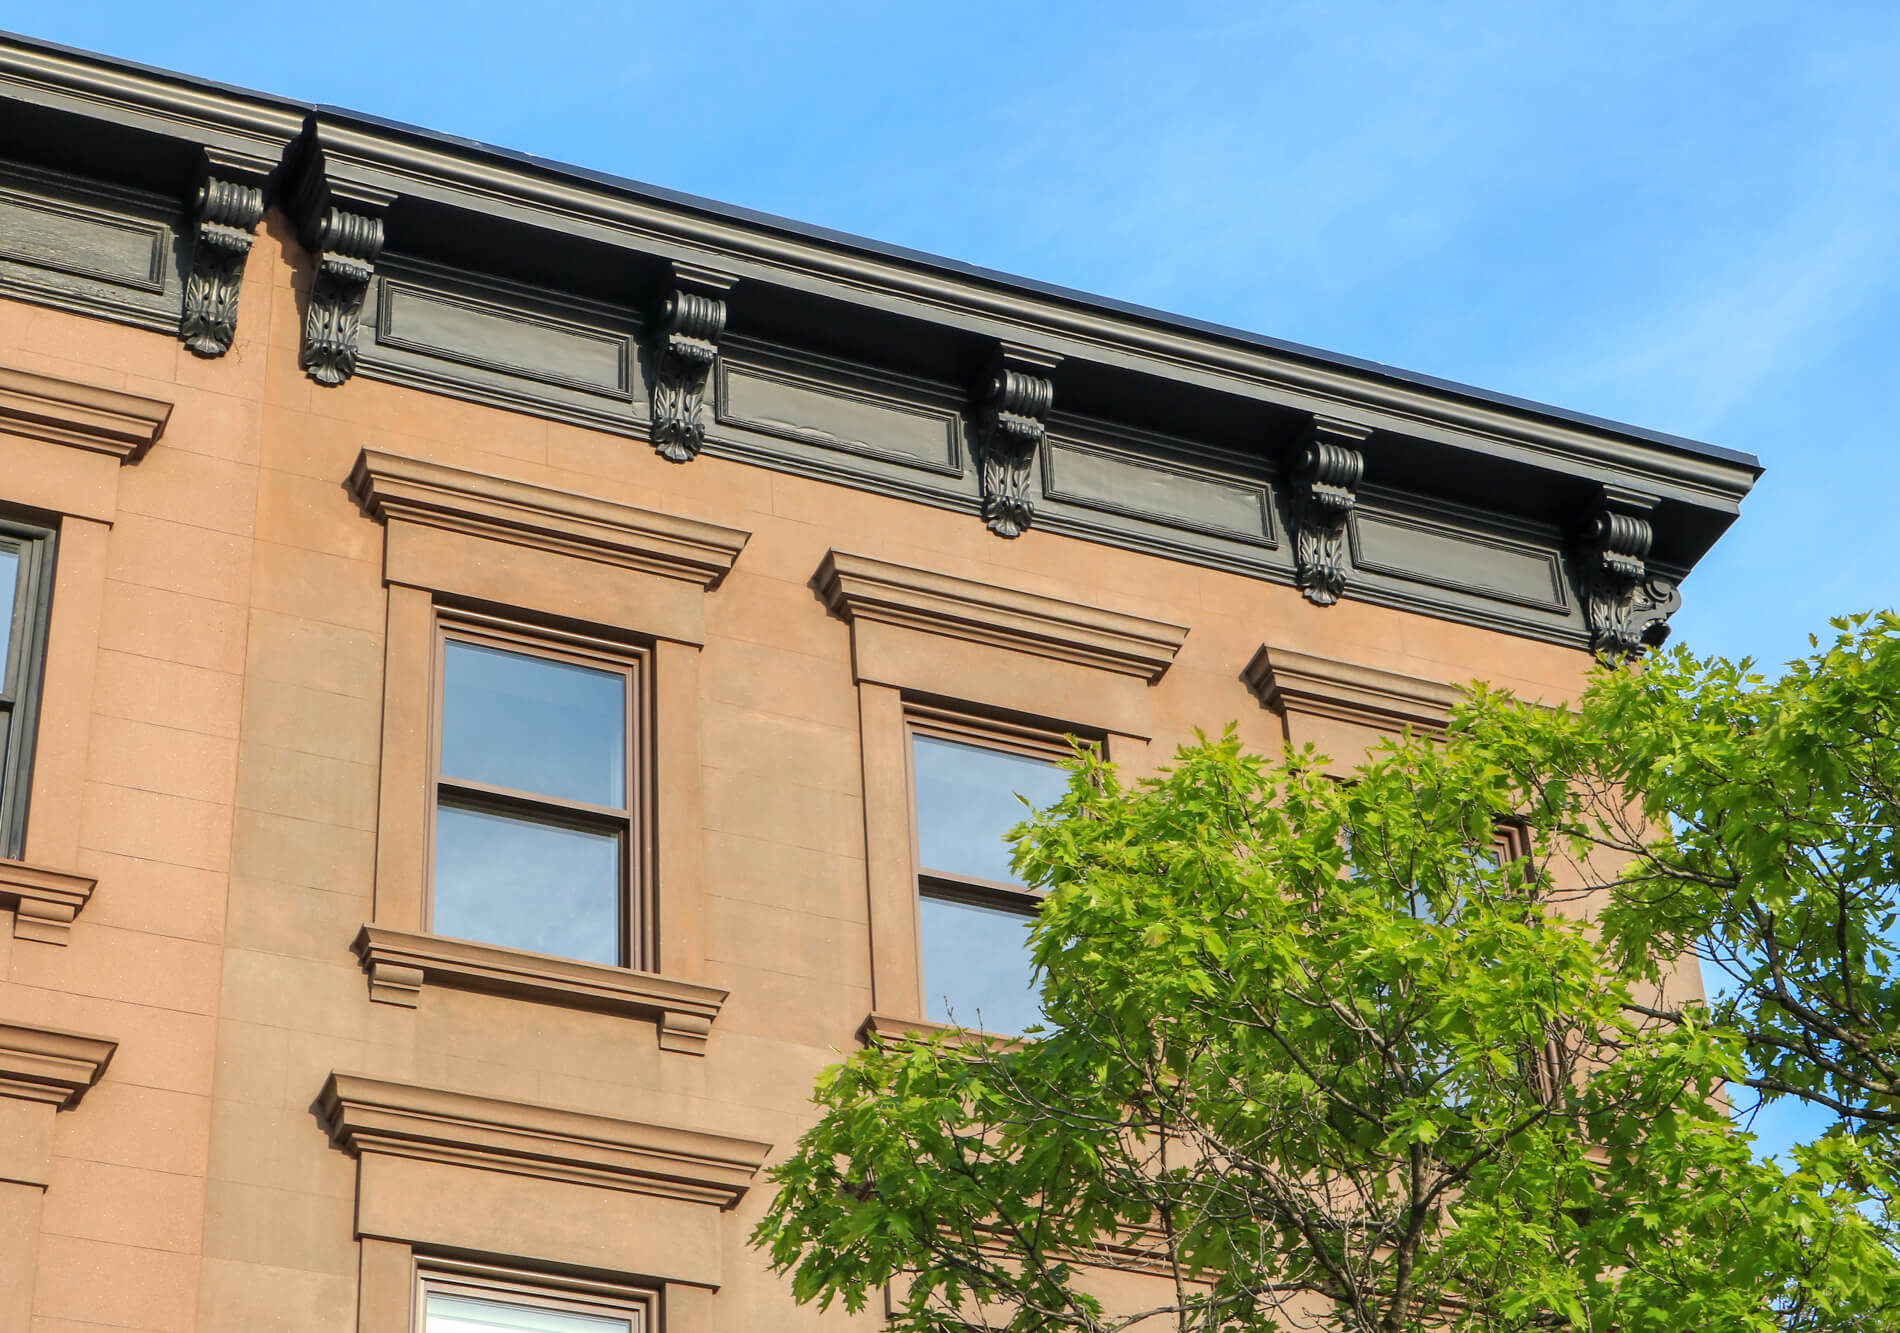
(532, 724)
(966, 802)
(466, 1314)
(510, 879)
(9, 582)
(976, 967)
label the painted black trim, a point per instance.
(694, 293)
(919, 258)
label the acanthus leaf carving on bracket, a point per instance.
(1628, 602)
(1325, 473)
(342, 227)
(228, 207)
(691, 317)
(1012, 403)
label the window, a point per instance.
(450, 1304)
(26, 596)
(973, 913)
(538, 840)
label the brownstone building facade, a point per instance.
(508, 672)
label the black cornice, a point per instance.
(141, 100)
(509, 216)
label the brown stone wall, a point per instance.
(213, 752)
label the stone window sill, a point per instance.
(400, 962)
(887, 1029)
(44, 901)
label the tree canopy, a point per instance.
(1421, 1049)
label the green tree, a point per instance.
(1320, 1056)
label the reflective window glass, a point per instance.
(527, 883)
(26, 594)
(976, 966)
(534, 816)
(974, 948)
(9, 585)
(448, 1313)
(967, 801)
(533, 724)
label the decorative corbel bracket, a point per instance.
(343, 229)
(1627, 602)
(1325, 472)
(691, 317)
(1011, 407)
(230, 202)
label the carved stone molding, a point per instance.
(390, 486)
(44, 901)
(687, 326)
(342, 228)
(346, 246)
(368, 1117)
(1012, 403)
(229, 204)
(1628, 604)
(399, 962)
(462, 207)
(1325, 471)
(1290, 682)
(888, 1030)
(49, 1065)
(64, 412)
(858, 588)
(43, 1071)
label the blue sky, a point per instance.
(1685, 216)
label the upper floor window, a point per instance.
(970, 786)
(537, 829)
(501, 1304)
(26, 597)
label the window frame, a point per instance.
(23, 672)
(990, 733)
(634, 663)
(533, 1291)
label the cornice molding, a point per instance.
(1011, 409)
(687, 326)
(412, 490)
(887, 1029)
(1292, 682)
(227, 208)
(341, 225)
(401, 962)
(44, 901)
(84, 416)
(1627, 603)
(50, 1065)
(859, 588)
(346, 177)
(658, 221)
(366, 1116)
(154, 101)
(559, 199)
(1321, 483)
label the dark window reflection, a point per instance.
(536, 725)
(528, 884)
(966, 802)
(9, 582)
(975, 953)
(976, 966)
